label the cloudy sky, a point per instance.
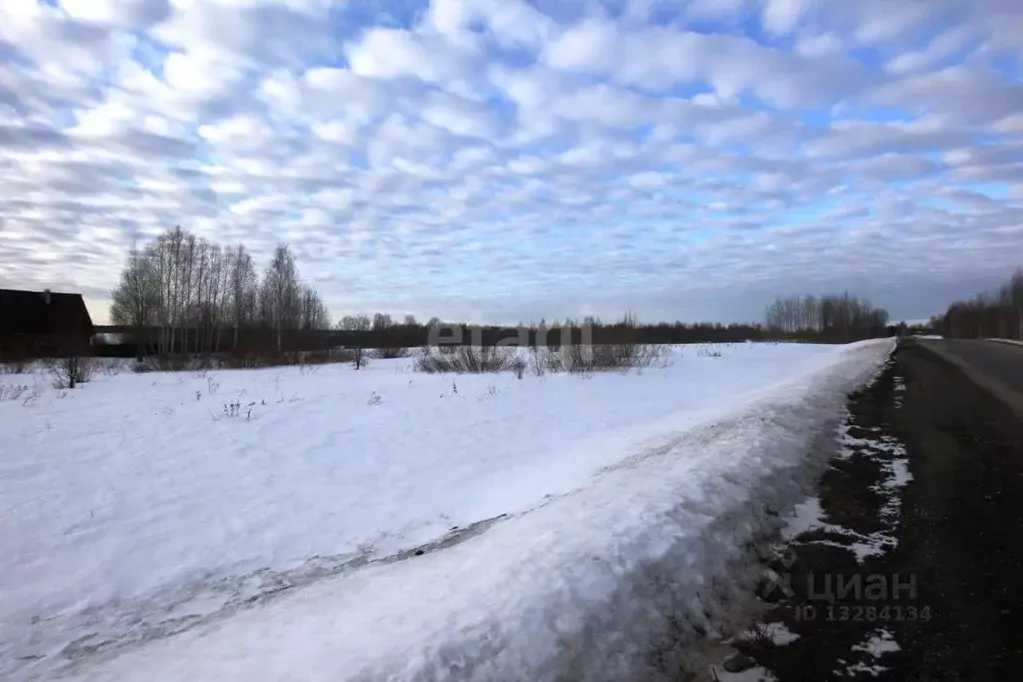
(502, 160)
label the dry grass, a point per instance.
(72, 371)
(13, 391)
(469, 360)
(390, 353)
(580, 359)
(709, 351)
(16, 366)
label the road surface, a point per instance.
(1002, 362)
(953, 407)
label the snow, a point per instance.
(900, 388)
(777, 632)
(1012, 341)
(890, 455)
(879, 643)
(275, 543)
(780, 634)
(806, 516)
(810, 516)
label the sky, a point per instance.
(506, 160)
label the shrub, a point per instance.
(251, 360)
(15, 366)
(581, 359)
(360, 358)
(70, 371)
(12, 391)
(468, 359)
(390, 353)
(111, 367)
(518, 365)
(322, 357)
(174, 363)
(342, 354)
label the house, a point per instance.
(36, 324)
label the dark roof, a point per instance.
(41, 312)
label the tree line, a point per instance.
(997, 314)
(835, 318)
(191, 290)
(181, 294)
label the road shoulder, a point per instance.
(942, 599)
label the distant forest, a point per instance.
(997, 314)
(183, 295)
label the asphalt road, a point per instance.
(1002, 362)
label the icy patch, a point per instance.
(862, 546)
(897, 476)
(849, 443)
(900, 388)
(890, 455)
(806, 516)
(777, 632)
(810, 517)
(877, 645)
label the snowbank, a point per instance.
(607, 577)
(1012, 341)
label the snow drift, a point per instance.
(610, 575)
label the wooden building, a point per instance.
(41, 324)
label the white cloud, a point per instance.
(781, 16)
(503, 141)
(818, 45)
(647, 180)
(384, 53)
(132, 14)
(943, 45)
(590, 45)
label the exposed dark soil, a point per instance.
(951, 592)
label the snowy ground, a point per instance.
(137, 506)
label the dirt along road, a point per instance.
(917, 579)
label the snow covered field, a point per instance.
(143, 505)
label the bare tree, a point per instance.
(243, 287)
(280, 292)
(191, 289)
(360, 324)
(314, 313)
(136, 299)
